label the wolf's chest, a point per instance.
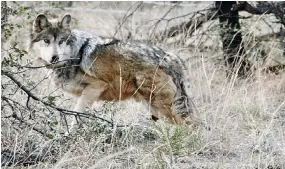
(69, 80)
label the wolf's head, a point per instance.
(48, 38)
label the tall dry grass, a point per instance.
(243, 119)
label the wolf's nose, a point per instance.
(54, 58)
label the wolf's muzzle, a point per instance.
(54, 59)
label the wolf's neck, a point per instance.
(83, 43)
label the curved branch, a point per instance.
(276, 8)
(62, 110)
(194, 23)
(15, 116)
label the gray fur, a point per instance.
(83, 44)
(136, 51)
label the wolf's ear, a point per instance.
(65, 22)
(40, 23)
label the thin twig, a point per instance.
(51, 65)
(127, 16)
(65, 111)
(157, 22)
(15, 116)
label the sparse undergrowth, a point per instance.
(99, 143)
(242, 120)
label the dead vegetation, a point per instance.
(243, 119)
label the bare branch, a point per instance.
(125, 18)
(194, 23)
(245, 6)
(276, 8)
(65, 111)
(58, 64)
(157, 22)
(15, 116)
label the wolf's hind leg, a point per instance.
(159, 91)
(183, 106)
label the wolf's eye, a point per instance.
(46, 40)
(60, 42)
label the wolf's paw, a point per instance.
(190, 121)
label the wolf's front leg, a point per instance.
(90, 94)
(83, 102)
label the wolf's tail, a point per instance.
(182, 102)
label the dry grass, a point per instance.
(243, 119)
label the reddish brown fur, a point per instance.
(122, 79)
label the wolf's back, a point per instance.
(144, 54)
(170, 63)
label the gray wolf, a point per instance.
(95, 68)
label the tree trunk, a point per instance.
(233, 48)
(282, 38)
